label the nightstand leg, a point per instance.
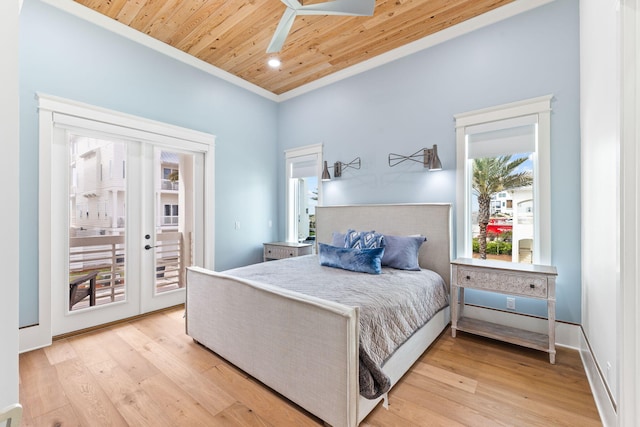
(551, 314)
(454, 309)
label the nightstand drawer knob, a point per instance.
(468, 277)
(531, 285)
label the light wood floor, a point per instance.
(147, 372)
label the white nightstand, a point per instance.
(280, 250)
(524, 280)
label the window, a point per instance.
(303, 192)
(170, 215)
(503, 160)
(170, 176)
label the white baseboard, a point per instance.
(34, 337)
(604, 402)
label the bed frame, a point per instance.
(306, 348)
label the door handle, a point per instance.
(147, 247)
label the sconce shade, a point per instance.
(434, 161)
(325, 172)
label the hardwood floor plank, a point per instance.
(133, 403)
(444, 400)
(113, 347)
(402, 413)
(90, 402)
(165, 330)
(212, 397)
(239, 415)
(88, 346)
(40, 387)
(61, 417)
(178, 406)
(255, 395)
(541, 412)
(59, 353)
(148, 372)
(446, 377)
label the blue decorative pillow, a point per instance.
(358, 260)
(337, 239)
(401, 252)
(363, 239)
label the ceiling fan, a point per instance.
(335, 7)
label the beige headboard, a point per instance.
(430, 220)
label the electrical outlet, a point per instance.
(237, 225)
(511, 303)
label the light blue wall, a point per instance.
(400, 107)
(65, 56)
(409, 104)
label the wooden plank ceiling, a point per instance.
(233, 35)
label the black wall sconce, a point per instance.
(338, 167)
(427, 156)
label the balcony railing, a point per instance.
(106, 255)
(167, 184)
(170, 261)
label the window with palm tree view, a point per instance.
(503, 208)
(504, 182)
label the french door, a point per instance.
(127, 218)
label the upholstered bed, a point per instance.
(308, 347)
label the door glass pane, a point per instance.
(96, 222)
(173, 233)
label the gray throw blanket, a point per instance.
(392, 305)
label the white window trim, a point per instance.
(53, 110)
(289, 156)
(542, 185)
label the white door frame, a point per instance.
(290, 157)
(54, 110)
(628, 322)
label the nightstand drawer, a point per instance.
(505, 282)
(281, 250)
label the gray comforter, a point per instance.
(392, 305)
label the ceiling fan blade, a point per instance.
(339, 7)
(282, 30)
(334, 7)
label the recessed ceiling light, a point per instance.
(274, 62)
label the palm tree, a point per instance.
(492, 175)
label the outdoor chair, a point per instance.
(79, 291)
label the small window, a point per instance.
(170, 216)
(503, 153)
(303, 192)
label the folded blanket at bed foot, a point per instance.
(373, 382)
